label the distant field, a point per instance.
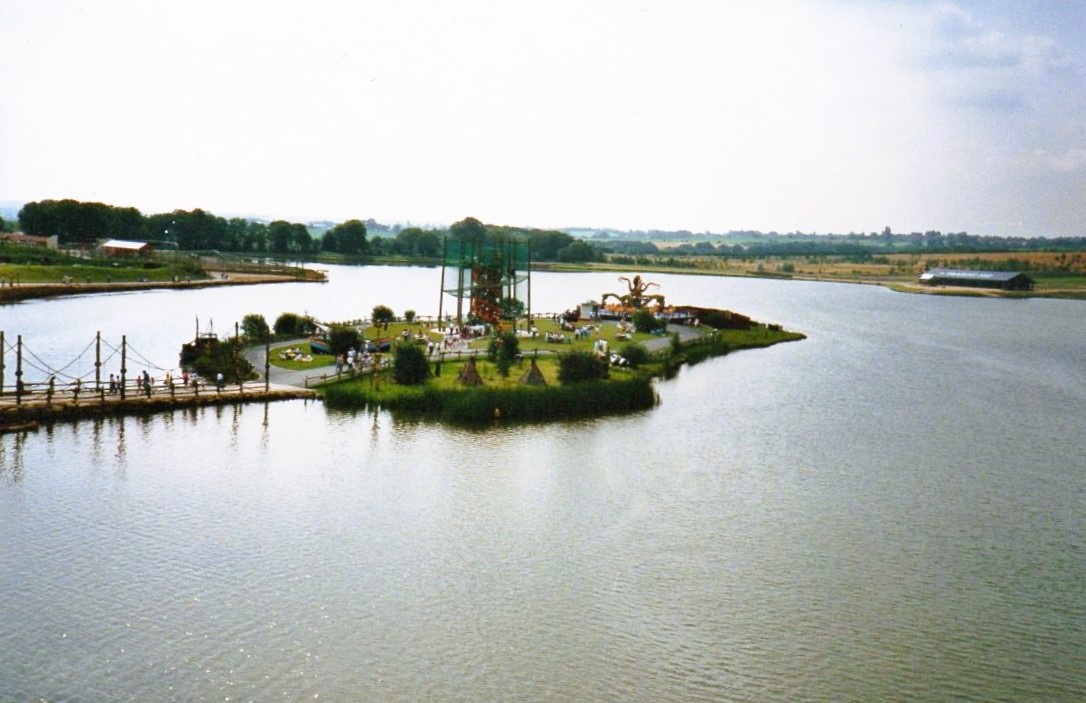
(1054, 272)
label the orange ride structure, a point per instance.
(636, 298)
(489, 272)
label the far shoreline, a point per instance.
(36, 291)
(897, 285)
(32, 291)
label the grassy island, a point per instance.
(533, 388)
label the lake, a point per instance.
(893, 509)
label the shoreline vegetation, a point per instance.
(532, 389)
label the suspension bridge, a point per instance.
(33, 389)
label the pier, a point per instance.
(63, 395)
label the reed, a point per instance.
(482, 404)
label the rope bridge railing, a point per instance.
(82, 378)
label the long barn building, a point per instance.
(1002, 280)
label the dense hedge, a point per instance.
(476, 405)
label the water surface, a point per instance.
(892, 509)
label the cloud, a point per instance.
(960, 42)
(996, 101)
(981, 63)
(1068, 161)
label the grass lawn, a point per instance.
(506, 397)
(317, 360)
(607, 330)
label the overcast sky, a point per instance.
(816, 116)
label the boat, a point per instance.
(319, 345)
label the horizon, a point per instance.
(11, 206)
(788, 115)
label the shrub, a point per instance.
(634, 354)
(409, 364)
(645, 321)
(209, 357)
(577, 366)
(724, 319)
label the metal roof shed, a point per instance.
(1002, 280)
(122, 247)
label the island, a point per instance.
(597, 358)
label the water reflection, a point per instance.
(12, 447)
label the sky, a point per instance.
(771, 115)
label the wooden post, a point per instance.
(19, 369)
(1, 362)
(124, 359)
(267, 365)
(98, 360)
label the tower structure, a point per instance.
(491, 273)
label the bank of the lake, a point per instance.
(13, 292)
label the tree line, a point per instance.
(85, 223)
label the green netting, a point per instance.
(493, 272)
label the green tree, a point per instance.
(72, 221)
(256, 238)
(545, 244)
(414, 241)
(291, 324)
(468, 229)
(409, 364)
(196, 230)
(348, 237)
(503, 351)
(236, 235)
(280, 237)
(129, 223)
(382, 314)
(255, 328)
(342, 338)
(328, 242)
(577, 252)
